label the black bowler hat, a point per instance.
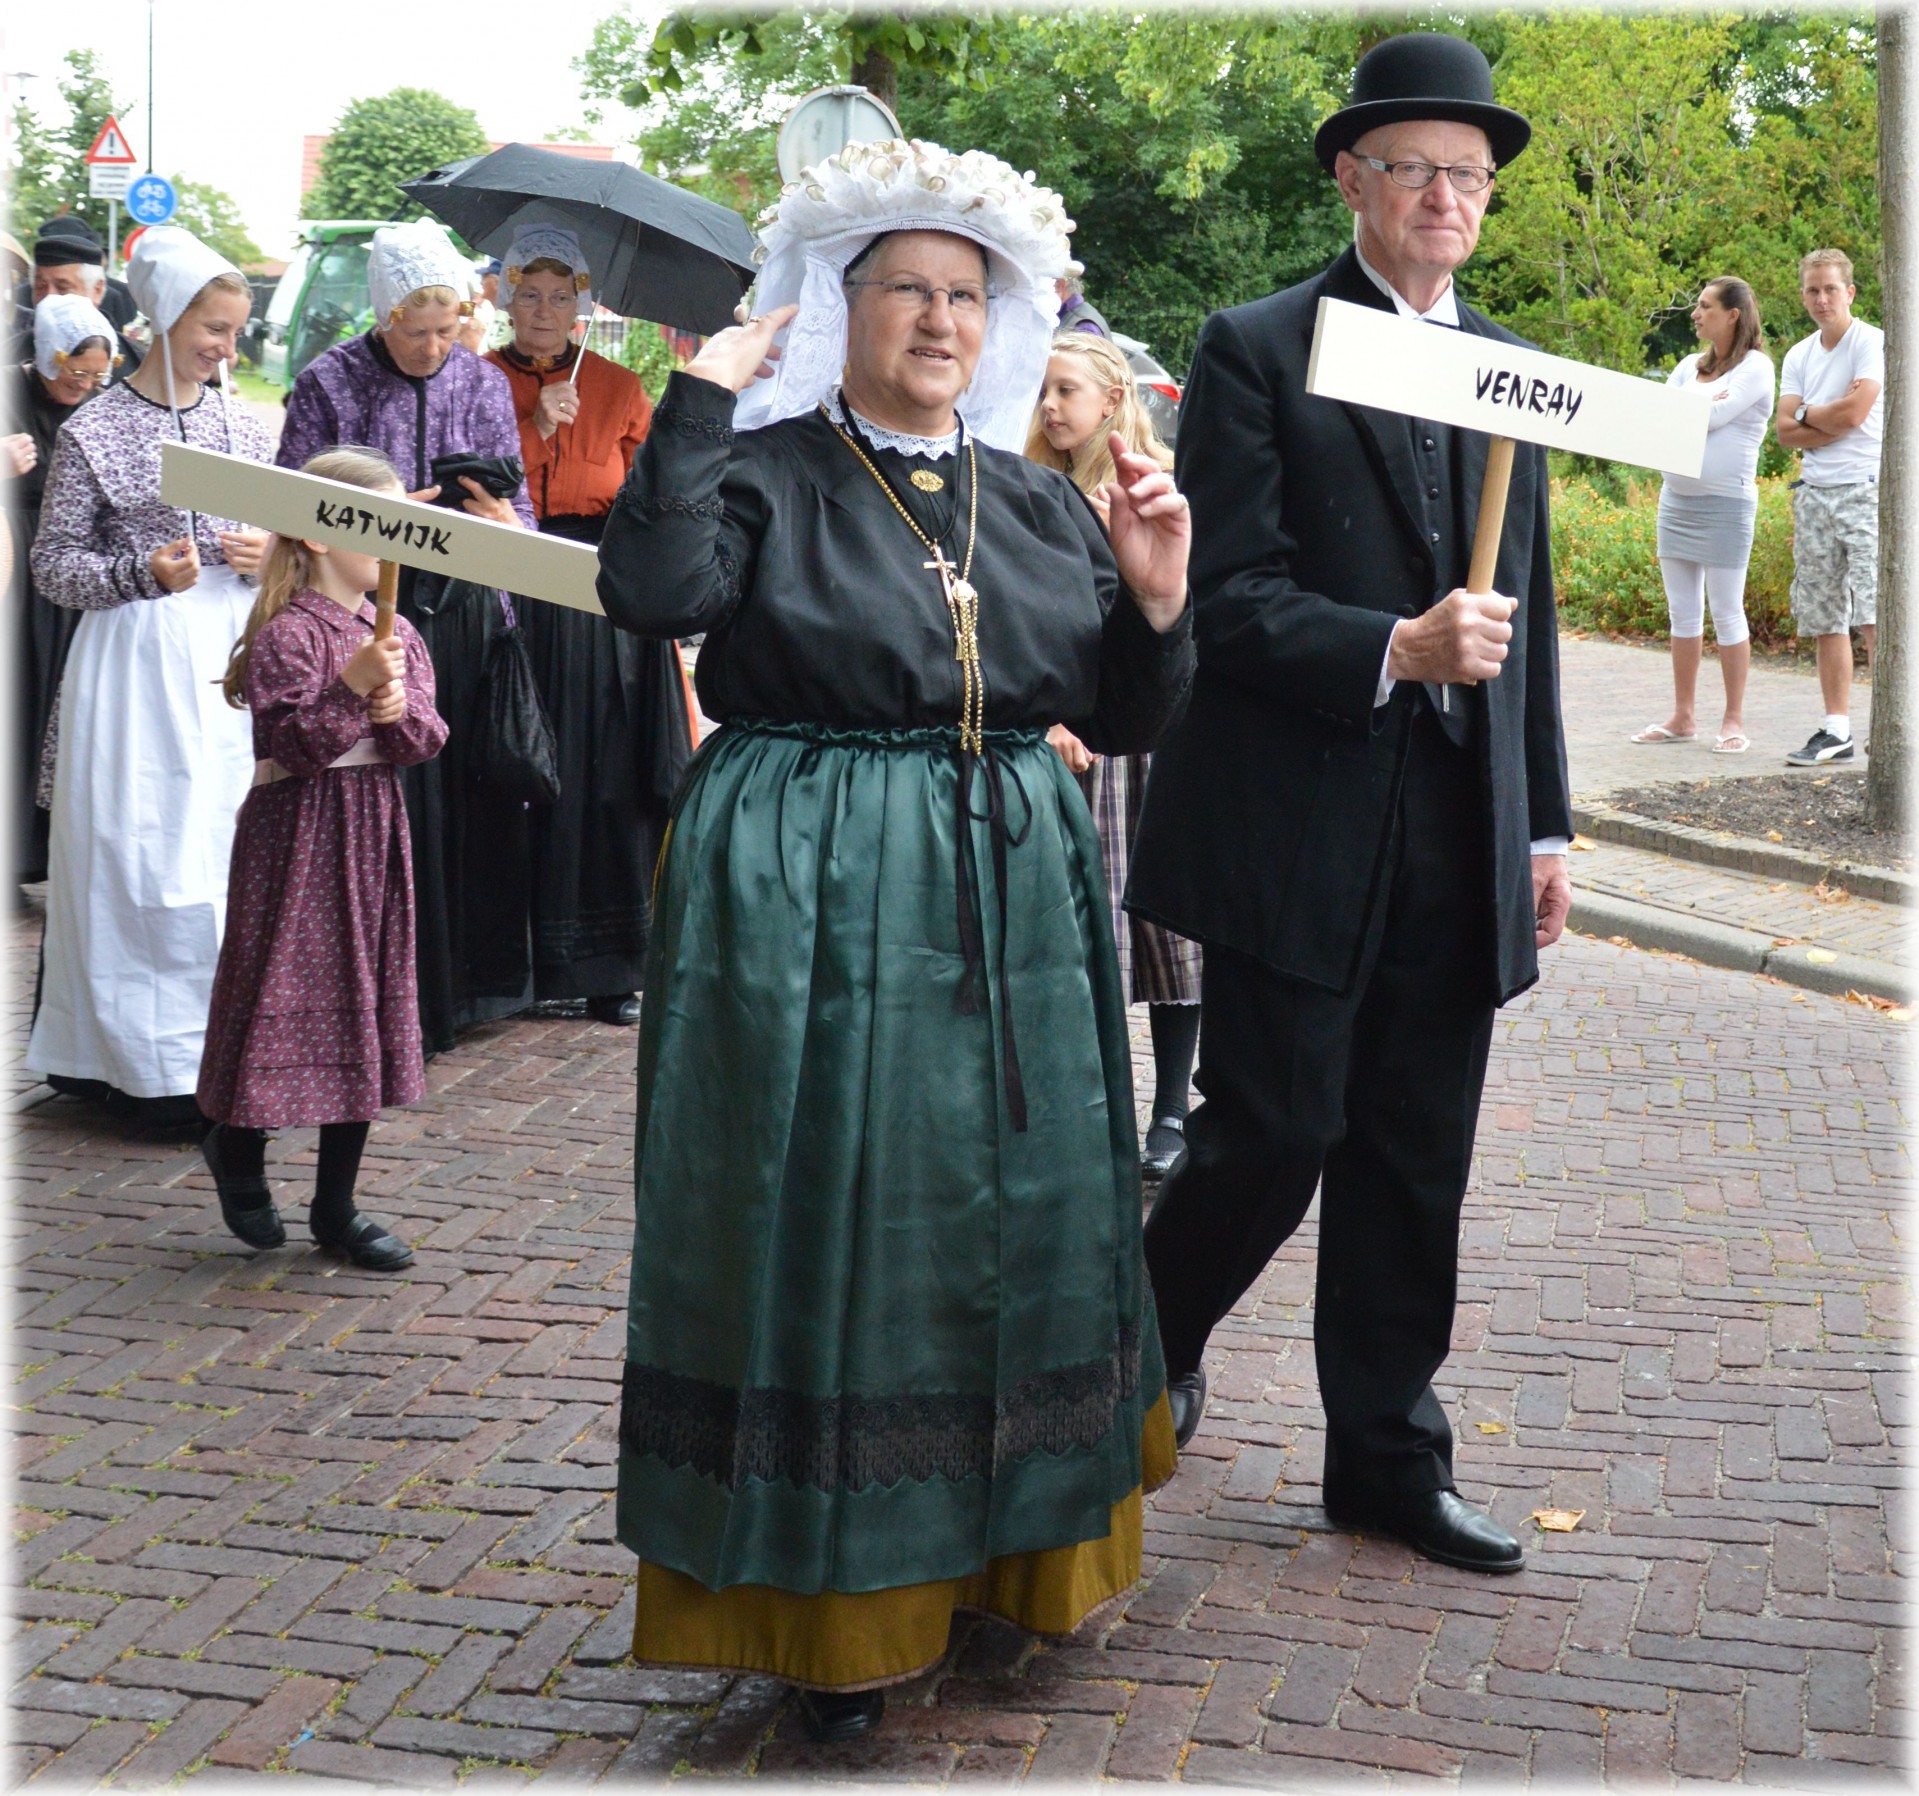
(1423, 75)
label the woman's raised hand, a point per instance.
(175, 565)
(1152, 531)
(742, 353)
(375, 663)
(484, 505)
(558, 403)
(245, 550)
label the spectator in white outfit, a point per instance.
(1705, 525)
(1832, 410)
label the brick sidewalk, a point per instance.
(274, 1515)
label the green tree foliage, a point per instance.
(383, 141)
(215, 219)
(1668, 147)
(50, 173)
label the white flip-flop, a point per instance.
(1658, 733)
(1733, 742)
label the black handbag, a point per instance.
(500, 475)
(515, 755)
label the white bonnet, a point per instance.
(825, 218)
(553, 243)
(407, 258)
(167, 270)
(59, 322)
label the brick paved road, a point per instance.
(273, 1515)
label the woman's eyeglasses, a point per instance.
(968, 300)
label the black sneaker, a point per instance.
(1821, 746)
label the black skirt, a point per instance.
(618, 705)
(470, 847)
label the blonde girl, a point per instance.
(1088, 399)
(315, 1013)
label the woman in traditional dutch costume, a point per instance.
(152, 764)
(408, 389)
(618, 703)
(74, 351)
(890, 1347)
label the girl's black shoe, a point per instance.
(1165, 1142)
(834, 1716)
(246, 1204)
(367, 1245)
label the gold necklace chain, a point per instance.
(962, 601)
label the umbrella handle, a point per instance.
(573, 374)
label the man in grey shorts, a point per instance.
(1832, 410)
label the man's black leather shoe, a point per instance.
(621, 1010)
(1442, 1525)
(1186, 1398)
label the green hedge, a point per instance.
(1606, 561)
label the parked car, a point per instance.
(321, 299)
(1158, 391)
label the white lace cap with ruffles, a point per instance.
(408, 258)
(824, 219)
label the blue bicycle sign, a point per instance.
(151, 199)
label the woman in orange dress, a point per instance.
(621, 720)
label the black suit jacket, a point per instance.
(1269, 809)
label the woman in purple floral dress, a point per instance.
(315, 1018)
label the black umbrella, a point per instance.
(656, 251)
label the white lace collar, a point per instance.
(930, 447)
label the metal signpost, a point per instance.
(828, 119)
(110, 166)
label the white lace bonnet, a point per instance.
(407, 259)
(825, 218)
(552, 243)
(62, 320)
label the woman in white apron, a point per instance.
(152, 763)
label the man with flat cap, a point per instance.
(68, 257)
(1363, 815)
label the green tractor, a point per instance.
(321, 299)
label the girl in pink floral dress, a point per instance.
(315, 1018)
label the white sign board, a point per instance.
(1394, 364)
(108, 180)
(402, 530)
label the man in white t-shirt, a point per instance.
(1832, 410)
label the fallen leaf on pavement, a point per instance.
(1900, 1014)
(1821, 957)
(1559, 1521)
(1772, 835)
(1490, 1427)
(1583, 845)
(1873, 998)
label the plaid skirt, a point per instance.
(1155, 966)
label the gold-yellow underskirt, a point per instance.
(838, 1640)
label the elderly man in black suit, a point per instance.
(1364, 814)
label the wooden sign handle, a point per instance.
(1492, 515)
(387, 597)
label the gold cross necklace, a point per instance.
(962, 600)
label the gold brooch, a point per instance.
(927, 481)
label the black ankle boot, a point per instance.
(835, 1716)
(246, 1204)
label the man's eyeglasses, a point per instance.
(1466, 177)
(915, 296)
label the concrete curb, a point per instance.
(1744, 854)
(1645, 925)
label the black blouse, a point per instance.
(818, 606)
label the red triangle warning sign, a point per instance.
(112, 146)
